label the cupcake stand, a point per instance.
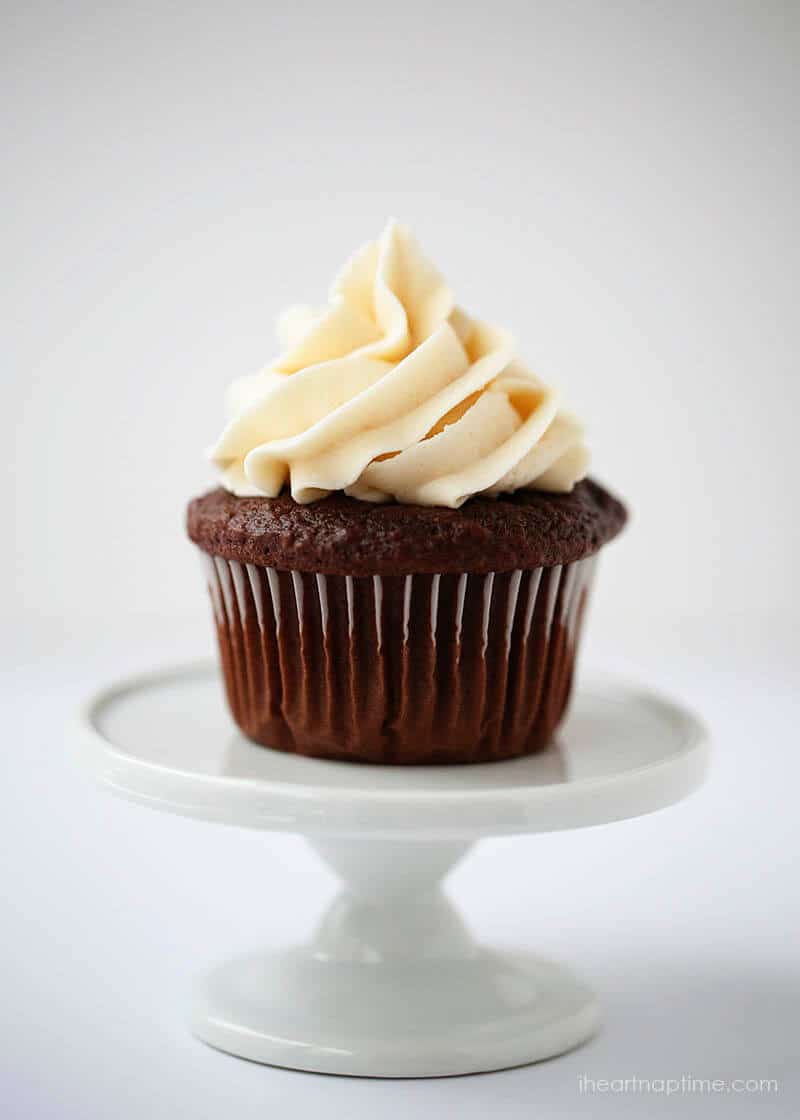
(391, 983)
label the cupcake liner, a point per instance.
(416, 669)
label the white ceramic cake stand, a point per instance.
(391, 984)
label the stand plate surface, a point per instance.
(166, 740)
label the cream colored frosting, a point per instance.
(394, 392)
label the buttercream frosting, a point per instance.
(394, 392)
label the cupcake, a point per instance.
(401, 549)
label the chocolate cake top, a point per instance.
(339, 535)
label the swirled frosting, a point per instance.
(392, 391)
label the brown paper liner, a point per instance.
(422, 669)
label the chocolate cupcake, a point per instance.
(400, 554)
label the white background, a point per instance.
(616, 184)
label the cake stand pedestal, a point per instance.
(391, 983)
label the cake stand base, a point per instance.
(393, 989)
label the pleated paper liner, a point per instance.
(418, 669)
